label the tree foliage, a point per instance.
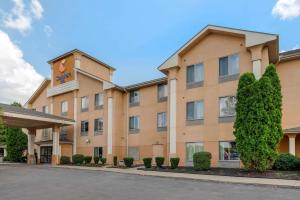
(2, 130)
(258, 122)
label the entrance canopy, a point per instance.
(17, 117)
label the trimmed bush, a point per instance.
(5, 158)
(128, 161)
(78, 159)
(285, 162)
(115, 160)
(147, 162)
(64, 160)
(87, 159)
(174, 162)
(201, 160)
(96, 159)
(103, 161)
(159, 161)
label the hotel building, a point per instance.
(190, 109)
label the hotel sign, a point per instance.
(63, 74)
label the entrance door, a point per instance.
(157, 151)
(46, 154)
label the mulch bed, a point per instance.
(271, 174)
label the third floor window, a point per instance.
(84, 104)
(134, 97)
(229, 65)
(64, 108)
(98, 100)
(194, 75)
(162, 92)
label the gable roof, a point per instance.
(289, 55)
(38, 91)
(252, 38)
(82, 53)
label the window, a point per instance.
(134, 98)
(63, 133)
(162, 92)
(192, 148)
(227, 106)
(134, 152)
(98, 101)
(194, 75)
(84, 104)
(134, 123)
(161, 120)
(84, 127)
(194, 110)
(64, 108)
(228, 151)
(45, 134)
(98, 126)
(229, 65)
(45, 109)
(98, 152)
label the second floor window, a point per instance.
(45, 109)
(134, 97)
(98, 126)
(98, 100)
(84, 127)
(63, 133)
(64, 107)
(227, 106)
(194, 75)
(162, 92)
(84, 104)
(229, 65)
(161, 120)
(194, 110)
(134, 123)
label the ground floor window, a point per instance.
(191, 148)
(134, 152)
(98, 152)
(228, 151)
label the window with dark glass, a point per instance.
(98, 100)
(194, 110)
(228, 151)
(229, 65)
(162, 92)
(134, 97)
(195, 75)
(98, 126)
(134, 123)
(84, 127)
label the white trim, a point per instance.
(63, 88)
(55, 148)
(110, 125)
(292, 145)
(256, 64)
(43, 119)
(75, 125)
(172, 116)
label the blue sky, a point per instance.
(136, 36)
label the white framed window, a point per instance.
(98, 125)
(64, 107)
(194, 110)
(195, 73)
(227, 106)
(228, 151)
(229, 65)
(84, 104)
(98, 100)
(162, 92)
(161, 120)
(134, 97)
(134, 152)
(192, 148)
(84, 127)
(134, 123)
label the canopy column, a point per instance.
(30, 145)
(55, 147)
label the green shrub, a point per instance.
(115, 160)
(285, 162)
(64, 160)
(297, 164)
(78, 159)
(87, 159)
(128, 161)
(201, 160)
(6, 158)
(159, 161)
(103, 161)
(147, 162)
(174, 162)
(96, 159)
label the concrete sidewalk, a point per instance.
(225, 179)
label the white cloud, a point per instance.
(36, 9)
(20, 17)
(287, 9)
(18, 78)
(296, 47)
(48, 30)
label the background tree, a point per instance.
(2, 130)
(16, 142)
(258, 122)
